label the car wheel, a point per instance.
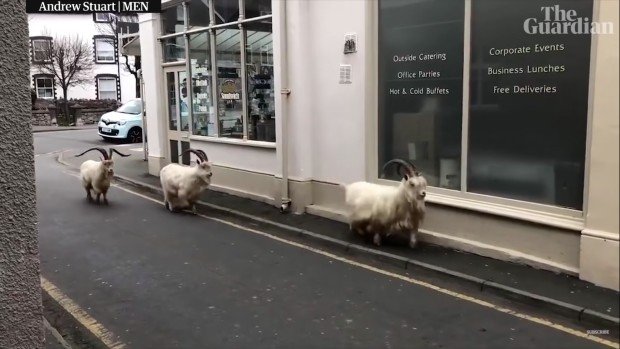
(134, 135)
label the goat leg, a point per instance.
(89, 197)
(98, 197)
(105, 198)
(413, 239)
(376, 239)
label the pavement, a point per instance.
(158, 280)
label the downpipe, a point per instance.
(285, 204)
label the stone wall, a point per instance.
(89, 116)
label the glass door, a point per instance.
(178, 114)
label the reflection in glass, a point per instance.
(172, 20)
(226, 11)
(523, 145)
(174, 49)
(171, 95)
(203, 111)
(229, 107)
(182, 81)
(257, 8)
(420, 100)
(261, 100)
(198, 14)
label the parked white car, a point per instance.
(123, 123)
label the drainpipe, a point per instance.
(285, 92)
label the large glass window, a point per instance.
(528, 106)
(230, 96)
(204, 116)
(527, 102)
(104, 50)
(106, 88)
(172, 20)
(230, 104)
(259, 66)
(420, 87)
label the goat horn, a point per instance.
(112, 150)
(415, 169)
(102, 151)
(204, 155)
(401, 163)
(198, 154)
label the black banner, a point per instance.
(86, 7)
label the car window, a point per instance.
(131, 107)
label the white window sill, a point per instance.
(234, 141)
(519, 213)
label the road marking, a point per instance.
(97, 329)
(540, 321)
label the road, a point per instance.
(159, 280)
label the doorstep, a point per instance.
(562, 292)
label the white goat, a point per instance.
(386, 210)
(182, 185)
(96, 175)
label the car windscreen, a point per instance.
(131, 107)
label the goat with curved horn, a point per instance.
(182, 185)
(97, 175)
(382, 210)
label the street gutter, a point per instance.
(579, 313)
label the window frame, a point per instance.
(211, 29)
(97, 20)
(544, 214)
(33, 40)
(37, 77)
(112, 40)
(99, 77)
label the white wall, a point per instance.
(338, 109)
(85, 27)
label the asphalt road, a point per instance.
(162, 280)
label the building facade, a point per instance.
(109, 78)
(510, 110)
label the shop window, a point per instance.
(198, 14)
(528, 116)
(226, 11)
(203, 113)
(174, 49)
(172, 20)
(421, 87)
(229, 107)
(104, 50)
(41, 49)
(257, 8)
(106, 87)
(259, 67)
(44, 86)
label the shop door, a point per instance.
(178, 114)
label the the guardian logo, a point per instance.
(557, 21)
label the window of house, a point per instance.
(106, 87)
(104, 50)
(103, 17)
(523, 96)
(40, 49)
(44, 86)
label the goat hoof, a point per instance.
(377, 239)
